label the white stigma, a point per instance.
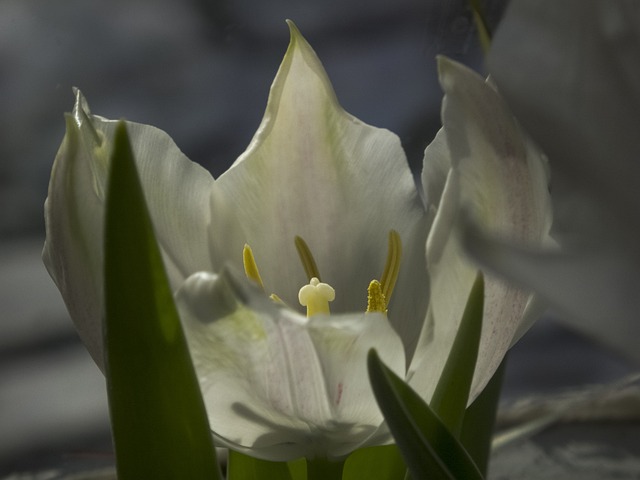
(316, 297)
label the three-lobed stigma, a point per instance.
(316, 295)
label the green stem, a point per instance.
(323, 469)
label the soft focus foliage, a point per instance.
(570, 71)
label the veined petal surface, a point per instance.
(176, 191)
(277, 384)
(497, 181)
(315, 171)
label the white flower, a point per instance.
(571, 72)
(277, 383)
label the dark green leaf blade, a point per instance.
(381, 462)
(482, 25)
(429, 449)
(298, 469)
(479, 420)
(451, 395)
(244, 467)
(158, 418)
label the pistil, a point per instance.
(316, 297)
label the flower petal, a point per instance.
(571, 74)
(315, 171)
(598, 286)
(276, 383)
(498, 181)
(176, 191)
(570, 71)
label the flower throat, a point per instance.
(316, 295)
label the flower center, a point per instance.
(316, 295)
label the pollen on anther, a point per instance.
(376, 301)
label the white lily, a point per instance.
(279, 384)
(571, 72)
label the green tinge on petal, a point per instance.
(74, 217)
(276, 384)
(314, 171)
(175, 189)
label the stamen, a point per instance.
(375, 298)
(308, 262)
(392, 267)
(316, 297)
(276, 299)
(250, 266)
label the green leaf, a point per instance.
(323, 469)
(298, 469)
(482, 26)
(244, 467)
(382, 463)
(158, 418)
(429, 449)
(450, 398)
(479, 420)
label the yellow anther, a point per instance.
(376, 301)
(308, 262)
(316, 297)
(392, 267)
(250, 266)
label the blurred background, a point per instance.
(200, 70)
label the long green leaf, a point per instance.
(451, 395)
(323, 469)
(298, 469)
(244, 467)
(380, 463)
(158, 418)
(482, 25)
(479, 420)
(429, 449)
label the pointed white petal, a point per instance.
(74, 220)
(436, 166)
(278, 384)
(176, 191)
(498, 181)
(315, 171)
